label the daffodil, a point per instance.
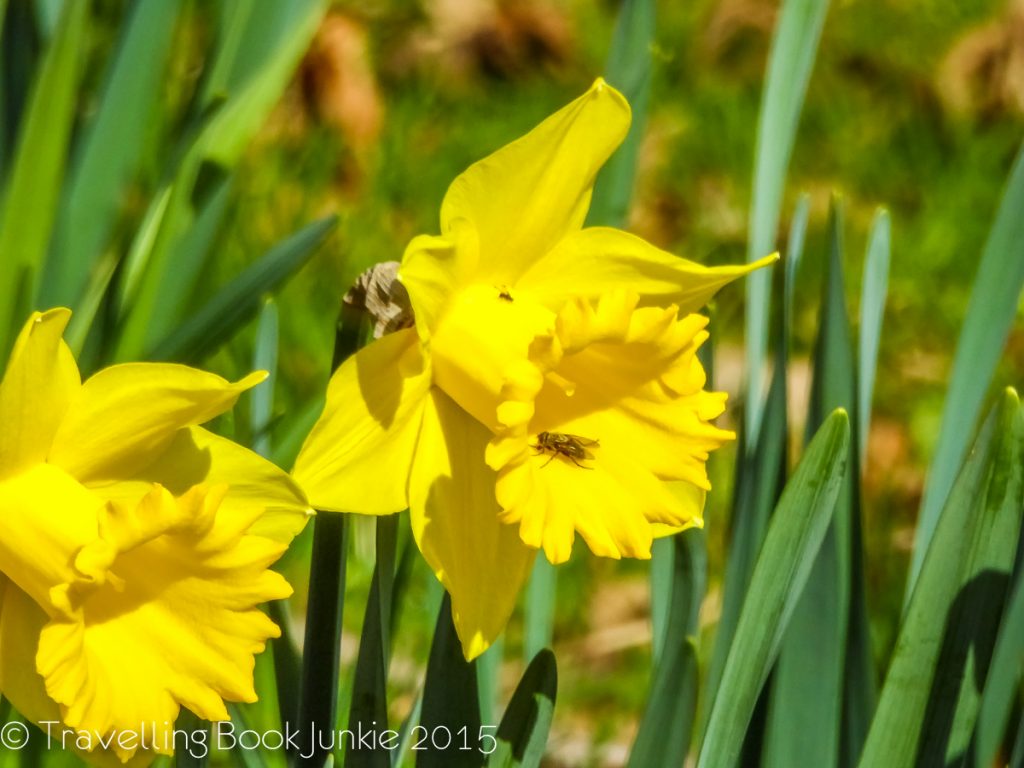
(550, 385)
(135, 545)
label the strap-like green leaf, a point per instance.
(523, 732)
(107, 157)
(990, 314)
(760, 472)
(929, 703)
(794, 48)
(872, 307)
(237, 302)
(797, 529)
(629, 70)
(450, 717)
(665, 729)
(807, 696)
(539, 607)
(30, 200)
(369, 710)
(1004, 679)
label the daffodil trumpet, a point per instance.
(136, 546)
(550, 385)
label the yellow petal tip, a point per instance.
(250, 381)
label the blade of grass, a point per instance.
(794, 47)
(990, 314)
(872, 307)
(797, 529)
(929, 701)
(628, 69)
(30, 199)
(523, 732)
(237, 302)
(451, 704)
(107, 156)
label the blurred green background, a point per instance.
(914, 105)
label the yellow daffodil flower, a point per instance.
(135, 545)
(550, 384)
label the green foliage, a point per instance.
(794, 48)
(783, 567)
(523, 732)
(930, 701)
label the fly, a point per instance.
(573, 447)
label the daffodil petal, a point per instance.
(254, 485)
(589, 262)
(481, 562)
(20, 624)
(24, 687)
(480, 343)
(40, 381)
(432, 271)
(620, 408)
(164, 614)
(48, 516)
(610, 499)
(357, 457)
(126, 415)
(528, 195)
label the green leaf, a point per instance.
(107, 157)
(261, 409)
(665, 729)
(667, 725)
(523, 732)
(262, 61)
(1004, 679)
(761, 474)
(929, 703)
(30, 199)
(251, 67)
(539, 610)
(807, 699)
(794, 47)
(190, 723)
(629, 70)
(450, 717)
(369, 709)
(678, 582)
(322, 647)
(872, 308)
(237, 302)
(797, 529)
(990, 314)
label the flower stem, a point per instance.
(318, 694)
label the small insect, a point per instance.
(572, 446)
(504, 294)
